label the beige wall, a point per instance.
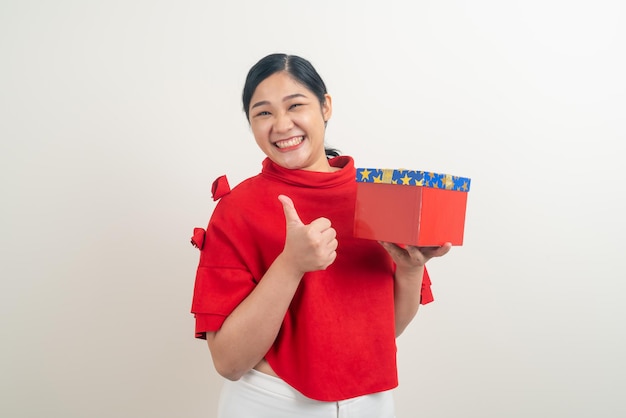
(116, 116)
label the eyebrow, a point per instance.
(286, 98)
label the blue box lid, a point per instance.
(412, 178)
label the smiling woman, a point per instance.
(301, 72)
(294, 308)
(288, 123)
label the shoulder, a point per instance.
(246, 201)
(249, 188)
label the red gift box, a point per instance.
(410, 207)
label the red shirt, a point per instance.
(337, 340)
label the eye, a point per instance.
(263, 113)
(294, 105)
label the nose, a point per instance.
(282, 123)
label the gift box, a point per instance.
(410, 207)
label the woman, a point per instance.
(300, 316)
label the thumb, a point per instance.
(291, 215)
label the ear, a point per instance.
(327, 107)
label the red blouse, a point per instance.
(337, 340)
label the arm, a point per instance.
(250, 330)
(410, 263)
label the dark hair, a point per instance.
(297, 67)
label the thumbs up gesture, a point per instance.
(307, 247)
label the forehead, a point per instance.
(277, 86)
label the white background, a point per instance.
(116, 116)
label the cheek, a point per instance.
(259, 129)
(312, 122)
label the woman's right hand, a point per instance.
(307, 247)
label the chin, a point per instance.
(290, 162)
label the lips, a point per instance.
(290, 142)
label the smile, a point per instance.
(291, 142)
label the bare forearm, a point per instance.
(250, 330)
(407, 294)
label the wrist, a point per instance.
(409, 274)
(287, 268)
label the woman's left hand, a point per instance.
(411, 257)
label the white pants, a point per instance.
(258, 395)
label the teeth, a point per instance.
(290, 142)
